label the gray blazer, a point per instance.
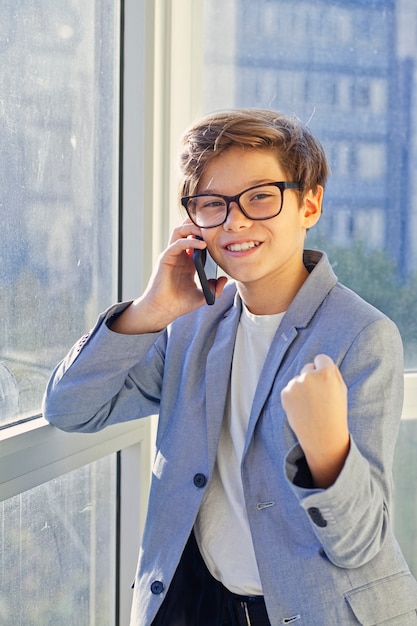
(326, 557)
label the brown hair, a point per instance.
(300, 154)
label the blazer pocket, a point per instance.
(391, 598)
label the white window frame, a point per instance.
(172, 55)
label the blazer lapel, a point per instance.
(218, 368)
(312, 293)
(279, 346)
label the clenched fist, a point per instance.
(315, 402)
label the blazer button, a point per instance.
(200, 480)
(317, 517)
(157, 587)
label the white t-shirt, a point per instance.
(222, 527)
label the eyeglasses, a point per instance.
(261, 202)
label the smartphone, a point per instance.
(206, 270)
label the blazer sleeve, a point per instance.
(106, 378)
(351, 517)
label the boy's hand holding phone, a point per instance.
(172, 290)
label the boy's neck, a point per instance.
(272, 296)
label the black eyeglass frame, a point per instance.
(282, 186)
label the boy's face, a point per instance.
(257, 253)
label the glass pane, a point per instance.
(348, 69)
(57, 551)
(58, 186)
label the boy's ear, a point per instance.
(312, 206)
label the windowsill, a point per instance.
(34, 452)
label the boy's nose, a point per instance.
(236, 218)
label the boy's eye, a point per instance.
(261, 196)
(212, 203)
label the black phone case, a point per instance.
(200, 258)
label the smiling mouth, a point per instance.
(242, 247)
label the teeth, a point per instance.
(240, 247)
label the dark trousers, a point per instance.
(195, 598)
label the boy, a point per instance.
(279, 405)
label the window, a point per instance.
(62, 183)
(371, 161)
(364, 226)
(343, 31)
(378, 95)
(84, 217)
(360, 93)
